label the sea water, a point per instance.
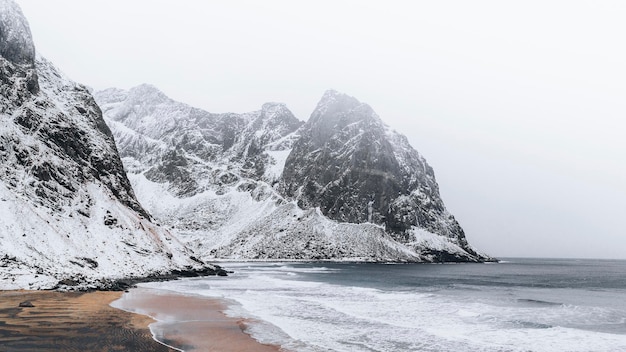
(517, 305)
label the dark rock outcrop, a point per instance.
(356, 169)
(68, 209)
(16, 43)
(70, 133)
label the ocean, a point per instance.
(517, 305)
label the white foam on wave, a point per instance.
(318, 316)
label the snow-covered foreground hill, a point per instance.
(263, 185)
(68, 214)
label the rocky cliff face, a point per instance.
(356, 169)
(263, 185)
(191, 149)
(67, 207)
(16, 44)
(206, 176)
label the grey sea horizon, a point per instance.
(539, 305)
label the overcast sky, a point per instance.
(519, 106)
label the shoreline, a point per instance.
(349, 261)
(190, 323)
(71, 321)
(140, 320)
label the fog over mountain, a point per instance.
(263, 185)
(517, 106)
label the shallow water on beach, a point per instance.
(518, 305)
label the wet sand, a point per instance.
(71, 321)
(191, 323)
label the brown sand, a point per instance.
(192, 323)
(71, 321)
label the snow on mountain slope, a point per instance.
(224, 182)
(292, 233)
(210, 175)
(68, 212)
(357, 170)
(191, 149)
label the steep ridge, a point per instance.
(357, 170)
(171, 140)
(263, 185)
(205, 175)
(69, 214)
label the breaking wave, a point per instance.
(344, 307)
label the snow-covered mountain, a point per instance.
(263, 185)
(67, 210)
(355, 169)
(206, 176)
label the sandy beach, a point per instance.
(192, 323)
(71, 321)
(85, 321)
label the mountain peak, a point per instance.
(335, 111)
(333, 100)
(16, 42)
(280, 112)
(331, 93)
(146, 90)
(273, 106)
(353, 169)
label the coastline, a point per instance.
(71, 321)
(190, 323)
(139, 320)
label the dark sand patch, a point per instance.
(71, 321)
(192, 323)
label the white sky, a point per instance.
(519, 106)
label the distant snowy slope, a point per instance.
(68, 212)
(206, 176)
(191, 149)
(262, 185)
